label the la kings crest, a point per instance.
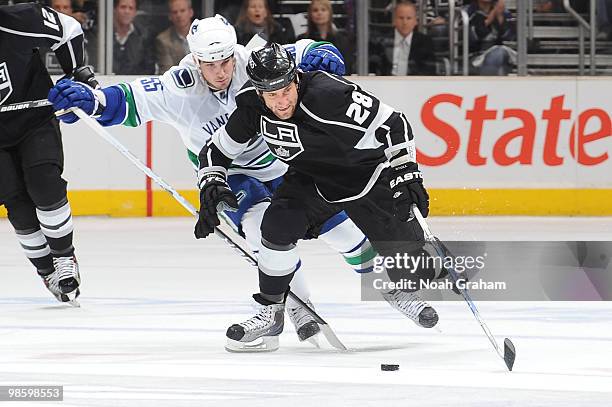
(6, 87)
(282, 138)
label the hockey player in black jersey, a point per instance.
(346, 149)
(31, 156)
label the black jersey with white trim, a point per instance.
(340, 135)
(23, 77)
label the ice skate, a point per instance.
(259, 333)
(51, 281)
(305, 326)
(67, 278)
(412, 306)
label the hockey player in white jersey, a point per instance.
(196, 98)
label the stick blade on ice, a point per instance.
(509, 353)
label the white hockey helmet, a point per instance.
(212, 39)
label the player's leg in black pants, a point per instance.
(389, 236)
(42, 162)
(296, 212)
(22, 213)
(34, 194)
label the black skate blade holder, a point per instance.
(102, 132)
(509, 351)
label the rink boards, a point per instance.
(503, 146)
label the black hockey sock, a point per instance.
(274, 288)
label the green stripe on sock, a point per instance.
(268, 158)
(361, 258)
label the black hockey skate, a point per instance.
(51, 281)
(68, 276)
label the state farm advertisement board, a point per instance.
(506, 132)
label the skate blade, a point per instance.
(332, 338)
(71, 298)
(314, 340)
(263, 344)
(74, 303)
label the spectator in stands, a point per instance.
(489, 28)
(83, 12)
(321, 28)
(255, 18)
(132, 46)
(409, 52)
(436, 18)
(62, 6)
(171, 45)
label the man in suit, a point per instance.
(408, 52)
(171, 45)
(132, 42)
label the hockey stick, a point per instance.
(509, 352)
(25, 105)
(98, 129)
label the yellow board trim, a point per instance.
(529, 202)
(444, 202)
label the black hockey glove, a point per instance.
(85, 74)
(215, 196)
(407, 188)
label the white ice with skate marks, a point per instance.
(156, 304)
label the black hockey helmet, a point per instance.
(271, 68)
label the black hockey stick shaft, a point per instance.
(98, 129)
(509, 352)
(25, 105)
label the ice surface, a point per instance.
(156, 304)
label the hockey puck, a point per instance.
(389, 368)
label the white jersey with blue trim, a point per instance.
(180, 97)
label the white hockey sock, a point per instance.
(347, 239)
(251, 225)
(278, 263)
(299, 288)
